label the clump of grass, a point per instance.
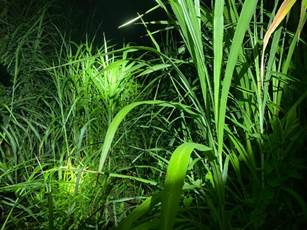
(214, 153)
(52, 137)
(233, 136)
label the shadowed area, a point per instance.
(97, 17)
(5, 77)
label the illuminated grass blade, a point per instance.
(218, 34)
(247, 12)
(188, 15)
(176, 172)
(119, 118)
(142, 180)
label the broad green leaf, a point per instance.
(176, 172)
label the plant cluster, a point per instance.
(203, 131)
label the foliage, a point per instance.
(207, 133)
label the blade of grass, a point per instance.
(188, 16)
(302, 18)
(287, 62)
(119, 118)
(280, 15)
(218, 34)
(247, 12)
(138, 212)
(176, 172)
(142, 180)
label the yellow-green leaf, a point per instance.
(281, 14)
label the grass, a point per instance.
(206, 134)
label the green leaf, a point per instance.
(120, 117)
(302, 20)
(246, 14)
(138, 212)
(176, 172)
(218, 34)
(142, 180)
(188, 15)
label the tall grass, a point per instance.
(198, 137)
(249, 93)
(61, 102)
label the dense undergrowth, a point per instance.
(189, 133)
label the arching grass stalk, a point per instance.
(120, 117)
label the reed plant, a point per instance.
(200, 135)
(232, 97)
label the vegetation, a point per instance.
(205, 130)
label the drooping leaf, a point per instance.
(280, 15)
(120, 117)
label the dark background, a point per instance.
(95, 17)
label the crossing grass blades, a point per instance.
(206, 132)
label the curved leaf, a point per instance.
(176, 172)
(120, 117)
(280, 15)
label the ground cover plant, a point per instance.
(205, 130)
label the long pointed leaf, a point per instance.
(218, 33)
(120, 117)
(247, 12)
(280, 15)
(176, 172)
